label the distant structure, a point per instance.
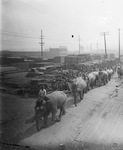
(111, 56)
(77, 58)
(53, 52)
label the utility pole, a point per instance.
(42, 43)
(119, 43)
(104, 34)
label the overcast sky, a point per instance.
(22, 21)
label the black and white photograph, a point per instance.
(61, 75)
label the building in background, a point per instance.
(111, 56)
(48, 53)
(54, 52)
(96, 57)
(59, 59)
(77, 58)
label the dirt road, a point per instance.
(96, 123)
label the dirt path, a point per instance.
(95, 123)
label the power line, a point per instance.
(31, 6)
(17, 34)
(27, 36)
(13, 32)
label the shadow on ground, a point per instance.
(32, 129)
(67, 146)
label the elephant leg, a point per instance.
(107, 79)
(111, 75)
(104, 81)
(63, 109)
(95, 82)
(82, 94)
(99, 83)
(75, 97)
(45, 121)
(91, 86)
(60, 114)
(87, 88)
(54, 111)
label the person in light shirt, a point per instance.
(42, 92)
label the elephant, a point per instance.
(110, 73)
(78, 85)
(51, 103)
(92, 80)
(103, 77)
(96, 73)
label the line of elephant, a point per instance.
(83, 84)
(57, 99)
